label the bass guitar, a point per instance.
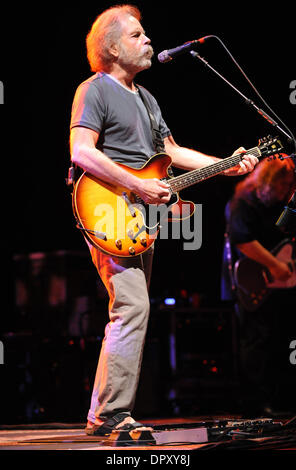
(118, 222)
(254, 282)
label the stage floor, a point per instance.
(171, 435)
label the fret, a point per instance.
(184, 181)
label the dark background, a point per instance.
(44, 60)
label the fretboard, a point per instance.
(195, 176)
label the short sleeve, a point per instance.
(242, 223)
(164, 130)
(88, 109)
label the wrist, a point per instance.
(133, 183)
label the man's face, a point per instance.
(279, 190)
(135, 51)
(282, 187)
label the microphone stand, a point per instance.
(247, 100)
(287, 219)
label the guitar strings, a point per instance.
(208, 170)
(181, 181)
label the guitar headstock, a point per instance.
(269, 146)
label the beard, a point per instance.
(134, 61)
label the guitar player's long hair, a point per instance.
(271, 181)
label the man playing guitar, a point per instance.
(266, 316)
(110, 124)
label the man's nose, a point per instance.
(147, 40)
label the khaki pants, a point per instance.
(127, 281)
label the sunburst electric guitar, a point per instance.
(117, 221)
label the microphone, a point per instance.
(287, 219)
(169, 54)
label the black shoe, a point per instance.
(113, 424)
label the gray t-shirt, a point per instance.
(102, 104)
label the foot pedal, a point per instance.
(131, 438)
(181, 436)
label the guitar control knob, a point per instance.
(118, 244)
(131, 250)
(143, 242)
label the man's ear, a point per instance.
(114, 50)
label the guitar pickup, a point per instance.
(129, 204)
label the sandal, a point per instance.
(112, 424)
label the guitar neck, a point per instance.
(195, 176)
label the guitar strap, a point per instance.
(156, 134)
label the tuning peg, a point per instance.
(263, 141)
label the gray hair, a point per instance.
(105, 32)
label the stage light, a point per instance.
(170, 301)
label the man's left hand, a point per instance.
(247, 164)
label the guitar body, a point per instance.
(254, 283)
(115, 220)
(118, 222)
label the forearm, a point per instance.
(101, 166)
(257, 252)
(188, 159)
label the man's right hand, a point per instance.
(153, 191)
